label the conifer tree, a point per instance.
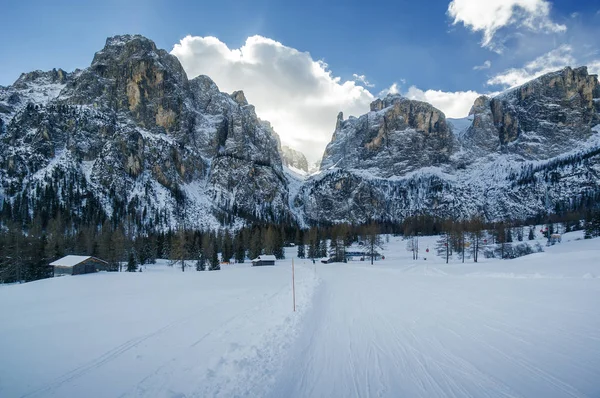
(55, 247)
(301, 251)
(131, 265)
(239, 248)
(118, 242)
(37, 263)
(501, 237)
(105, 248)
(270, 239)
(204, 252)
(278, 249)
(255, 244)
(313, 243)
(214, 257)
(592, 224)
(227, 247)
(531, 235)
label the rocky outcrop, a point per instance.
(398, 136)
(239, 98)
(131, 75)
(293, 158)
(540, 119)
(55, 76)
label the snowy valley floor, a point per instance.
(528, 327)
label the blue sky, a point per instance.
(416, 45)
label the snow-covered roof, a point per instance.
(265, 257)
(70, 261)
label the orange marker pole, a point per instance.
(293, 286)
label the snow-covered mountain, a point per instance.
(530, 150)
(135, 137)
(133, 130)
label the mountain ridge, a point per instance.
(139, 139)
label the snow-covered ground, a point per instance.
(159, 333)
(528, 327)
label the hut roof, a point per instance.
(265, 257)
(71, 261)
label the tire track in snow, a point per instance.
(108, 356)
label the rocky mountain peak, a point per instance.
(294, 158)
(339, 120)
(566, 84)
(541, 118)
(398, 135)
(130, 74)
(127, 39)
(387, 101)
(479, 104)
(239, 97)
(54, 76)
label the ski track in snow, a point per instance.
(420, 330)
(528, 327)
(410, 337)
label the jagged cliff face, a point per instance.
(138, 130)
(132, 131)
(397, 136)
(528, 151)
(540, 119)
(130, 74)
(293, 158)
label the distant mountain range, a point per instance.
(135, 135)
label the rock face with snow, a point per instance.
(133, 132)
(397, 136)
(138, 131)
(293, 158)
(541, 119)
(529, 151)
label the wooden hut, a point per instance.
(264, 259)
(76, 265)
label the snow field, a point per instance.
(159, 333)
(405, 328)
(528, 327)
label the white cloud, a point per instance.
(594, 67)
(491, 15)
(393, 89)
(486, 65)
(362, 79)
(453, 104)
(298, 95)
(549, 62)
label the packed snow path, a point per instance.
(447, 331)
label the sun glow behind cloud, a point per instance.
(300, 96)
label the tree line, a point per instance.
(35, 233)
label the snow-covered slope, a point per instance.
(499, 328)
(529, 151)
